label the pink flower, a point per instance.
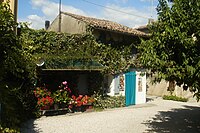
(70, 106)
(64, 83)
(69, 90)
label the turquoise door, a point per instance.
(130, 90)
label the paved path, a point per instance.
(156, 115)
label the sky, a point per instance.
(131, 13)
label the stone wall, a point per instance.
(160, 89)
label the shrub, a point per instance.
(105, 102)
(46, 98)
(16, 74)
(8, 130)
(175, 98)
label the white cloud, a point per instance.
(38, 3)
(50, 11)
(36, 21)
(132, 17)
(73, 10)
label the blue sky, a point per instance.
(132, 13)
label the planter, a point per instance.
(81, 108)
(78, 109)
(89, 108)
(63, 106)
(45, 107)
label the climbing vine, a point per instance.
(62, 51)
(15, 74)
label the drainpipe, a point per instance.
(59, 30)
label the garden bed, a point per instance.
(61, 100)
(82, 108)
(54, 111)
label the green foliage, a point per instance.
(46, 98)
(8, 130)
(173, 50)
(15, 73)
(74, 51)
(61, 97)
(105, 102)
(175, 98)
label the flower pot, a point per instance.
(78, 109)
(89, 109)
(45, 107)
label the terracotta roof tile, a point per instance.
(106, 25)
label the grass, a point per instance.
(175, 98)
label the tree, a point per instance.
(15, 72)
(173, 50)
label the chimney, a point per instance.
(47, 23)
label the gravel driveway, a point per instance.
(156, 115)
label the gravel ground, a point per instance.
(156, 115)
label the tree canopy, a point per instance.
(15, 73)
(173, 50)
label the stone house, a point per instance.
(106, 32)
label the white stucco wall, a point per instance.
(114, 86)
(68, 25)
(140, 95)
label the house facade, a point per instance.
(109, 32)
(106, 32)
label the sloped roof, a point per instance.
(144, 29)
(106, 25)
(141, 27)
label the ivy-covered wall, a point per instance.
(114, 38)
(64, 51)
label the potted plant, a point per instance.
(81, 103)
(61, 96)
(40, 92)
(45, 102)
(44, 99)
